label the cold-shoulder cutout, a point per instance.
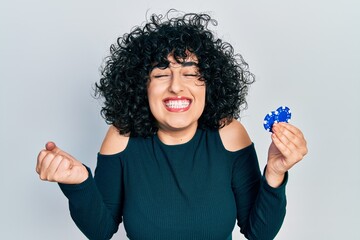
(113, 142)
(234, 136)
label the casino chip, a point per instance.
(269, 120)
(282, 114)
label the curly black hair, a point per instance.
(125, 74)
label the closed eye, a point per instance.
(160, 76)
(191, 75)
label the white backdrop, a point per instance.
(305, 54)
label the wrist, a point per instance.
(84, 174)
(273, 178)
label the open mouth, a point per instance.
(177, 104)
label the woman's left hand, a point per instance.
(287, 148)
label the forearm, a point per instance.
(268, 212)
(88, 210)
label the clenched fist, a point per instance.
(55, 165)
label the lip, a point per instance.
(183, 109)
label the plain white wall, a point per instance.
(305, 54)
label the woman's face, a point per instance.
(176, 95)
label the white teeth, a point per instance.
(177, 103)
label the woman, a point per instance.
(175, 163)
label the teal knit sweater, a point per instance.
(194, 190)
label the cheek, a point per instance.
(154, 98)
(151, 92)
(202, 94)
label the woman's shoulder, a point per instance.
(234, 136)
(113, 142)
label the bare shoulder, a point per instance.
(113, 142)
(234, 136)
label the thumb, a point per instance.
(51, 146)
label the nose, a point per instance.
(176, 86)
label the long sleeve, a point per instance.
(260, 208)
(95, 205)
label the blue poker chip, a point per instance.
(269, 121)
(283, 114)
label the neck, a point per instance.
(175, 137)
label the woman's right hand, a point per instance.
(55, 165)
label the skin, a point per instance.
(178, 81)
(287, 148)
(55, 165)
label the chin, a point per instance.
(180, 125)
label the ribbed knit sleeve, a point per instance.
(260, 208)
(95, 205)
(191, 191)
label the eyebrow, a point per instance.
(189, 64)
(183, 64)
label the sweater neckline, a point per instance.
(190, 142)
